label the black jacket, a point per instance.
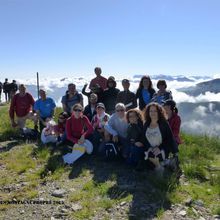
(88, 112)
(135, 133)
(140, 97)
(127, 97)
(168, 142)
(109, 99)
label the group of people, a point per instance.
(141, 126)
(9, 89)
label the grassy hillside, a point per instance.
(94, 189)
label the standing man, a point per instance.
(127, 97)
(1, 87)
(6, 90)
(71, 98)
(44, 108)
(22, 105)
(13, 89)
(100, 80)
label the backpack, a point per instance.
(29, 134)
(111, 151)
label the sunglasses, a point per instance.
(77, 110)
(120, 110)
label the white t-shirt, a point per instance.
(154, 136)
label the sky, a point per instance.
(60, 38)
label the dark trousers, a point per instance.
(136, 154)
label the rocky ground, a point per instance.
(54, 196)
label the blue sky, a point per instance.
(61, 37)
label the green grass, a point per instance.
(95, 197)
(19, 161)
(35, 163)
(196, 155)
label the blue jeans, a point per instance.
(136, 154)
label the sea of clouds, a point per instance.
(200, 114)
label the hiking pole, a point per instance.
(38, 86)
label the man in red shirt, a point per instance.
(22, 105)
(100, 80)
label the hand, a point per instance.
(81, 140)
(156, 151)
(155, 161)
(138, 144)
(115, 139)
(13, 124)
(100, 130)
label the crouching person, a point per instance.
(22, 105)
(48, 133)
(78, 130)
(116, 130)
(98, 122)
(158, 137)
(135, 136)
(55, 133)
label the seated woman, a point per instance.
(162, 94)
(158, 137)
(78, 130)
(135, 136)
(60, 128)
(174, 119)
(116, 129)
(98, 123)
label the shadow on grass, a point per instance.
(145, 193)
(8, 146)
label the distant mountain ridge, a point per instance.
(179, 78)
(203, 87)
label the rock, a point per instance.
(72, 190)
(199, 203)
(188, 202)
(22, 212)
(67, 206)
(182, 213)
(34, 212)
(201, 218)
(194, 211)
(123, 203)
(216, 217)
(209, 190)
(76, 207)
(64, 210)
(59, 193)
